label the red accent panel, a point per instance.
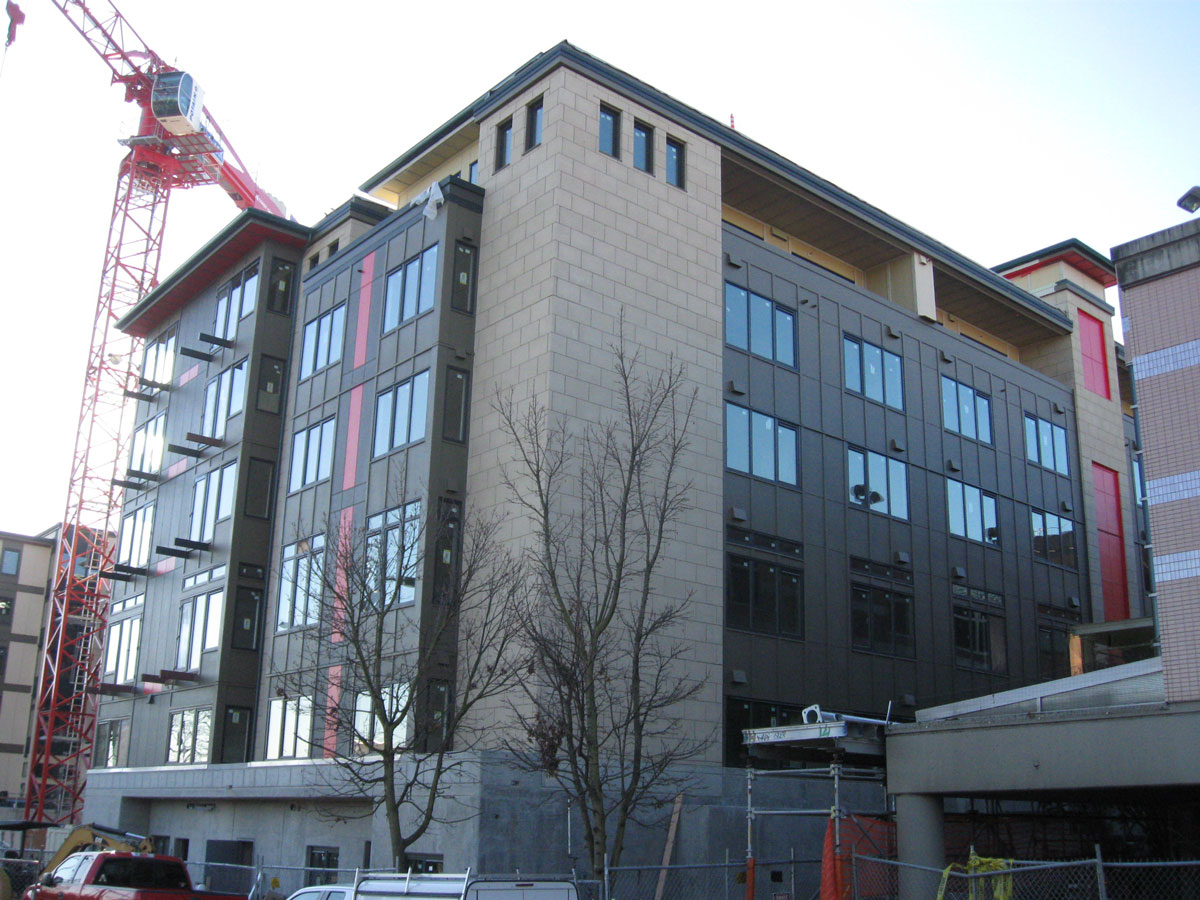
(333, 696)
(352, 435)
(364, 309)
(1095, 355)
(1111, 533)
(343, 551)
(162, 567)
(189, 374)
(177, 468)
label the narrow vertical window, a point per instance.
(462, 291)
(675, 169)
(473, 172)
(454, 418)
(610, 132)
(643, 147)
(533, 124)
(503, 144)
(737, 437)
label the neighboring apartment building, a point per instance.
(911, 481)
(25, 565)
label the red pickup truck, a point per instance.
(108, 875)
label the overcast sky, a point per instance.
(997, 128)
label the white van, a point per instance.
(390, 886)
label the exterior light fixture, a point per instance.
(1190, 201)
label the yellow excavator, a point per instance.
(17, 874)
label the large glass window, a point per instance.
(760, 445)
(1054, 657)
(979, 641)
(145, 454)
(1046, 444)
(323, 339)
(410, 288)
(610, 131)
(112, 744)
(1053, 538)
(972, 512)
(394, 553)
(136, 534)
(121, 650)
(966, 411)
(224, 397)
(761, 595)
(200, 621)
(301, 582)
(878, 482)
(400, 414)
(289, 727)
(190, 736)
(235, 301)
(212, 501)
(881, 620)
(875, 373)
(158, 358)
(756, 324)
(369, 731)
(312, 454)
(10, 561)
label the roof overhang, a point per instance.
(1073, 252)
(249, 230)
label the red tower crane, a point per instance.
(178, 145)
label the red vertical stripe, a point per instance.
(1110, 532)
(364, 309)
(350, 471)
(1094, 355)
(342, 552)
(333, 698)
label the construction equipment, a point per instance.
(178, 144)
(82, 837)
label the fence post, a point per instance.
(792, 853)
(606, 885)
(854, 871)
(1101, 887)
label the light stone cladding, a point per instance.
(1160, 287)
(574, 241)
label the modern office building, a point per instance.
(911, 475)
(25, 564)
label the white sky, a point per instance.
(997, 128)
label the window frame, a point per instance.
(1042, 438)
(756, 452)
(952, 389)
(213, 500)
(121, 649)
(870, 472)
(504, 145)
(394, 554)
(333, 339)
(741, 305)
(7, 567)
(201, 621)
(985, 647)
(186, 741)
(324, 433)
(388, 401)
(899, 643)
(137, 535)
(645, 161)
(301, 568)
(1064, 553)
(287, 717)
(534, 122)
(611, 147)
(860, 381)
(986, 518)
(754, 567)
(415, 280)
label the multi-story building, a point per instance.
(910, 475)
(25, 564)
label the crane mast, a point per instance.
(177, 145)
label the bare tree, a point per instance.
(389, 674)
(600, 715)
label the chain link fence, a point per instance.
(785, 879)
(1087, 879)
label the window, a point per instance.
(158, 359)
(473, 172)
(323, 339)
(322, 865)
(235, 301)
(610, 131)
(756, 324)
(136, 529)
(675, 162)
(369, 731)
(979, 641)
(878, 482)
(1054, 659)
(200, 622)
(121, 650)
(289, 727)
(462, 290)
(212, 501)
(1094, 354)
(312, 454)
(260, 478)
(6, 608)
(966, 411)
(741, 714)
(503, 144)
(224, 396)
(279, 291)
(875, 373)
(881, 620)
(400, 414)
(394, 553)
(191, 736)
(1053, 538)
(10, 561)
(760, 445)
(145, 454)
(454, 414)
(112, 744)
(763, 596)
(643, 147)
(410, 288)
(972, 512)
(533, 124)
(270, 384)
(1046, 444)
(301, 582)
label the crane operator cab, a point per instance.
(177, 102)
